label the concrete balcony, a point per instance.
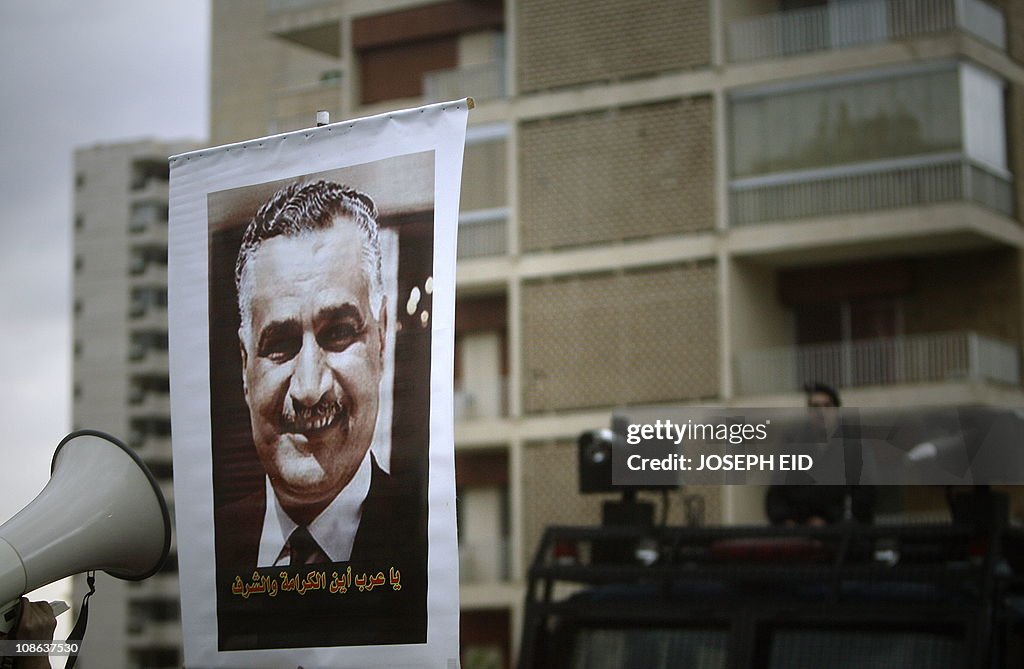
(483, 233)
(315, 24)
(860, 22)
(871, 186)
(481, 82)
(918, 359)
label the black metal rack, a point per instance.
(747, 587)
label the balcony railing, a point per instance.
(867, 187)
(481, 400)
(483, 233)
(914, 359)
(859, 22)
(481, 82)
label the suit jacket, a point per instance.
(390, 536)
(240, 525)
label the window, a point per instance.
(145, 298)
(846, 122)
(145, 341)
(482, 500)
(396, 49)
(145, 214)
(161, 469)
(145, 384)
(145, 255)
(142, 429)
(145, 170)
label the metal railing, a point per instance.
(868, 187)
(877, 362)
(483, 233)
(859, 22)
(481, 82)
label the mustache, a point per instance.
(320, 415)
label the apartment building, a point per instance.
(664, 202)
(680, 201)
(120, 372)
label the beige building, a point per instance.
(120, 375)
(678, 201)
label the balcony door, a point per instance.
(850, 342)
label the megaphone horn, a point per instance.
(101, 510)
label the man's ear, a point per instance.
(245, 363)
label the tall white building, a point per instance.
(120, 373)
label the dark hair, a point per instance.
(812, 387)
(309, 207)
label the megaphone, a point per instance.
(101, 510)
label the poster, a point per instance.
(311, 309)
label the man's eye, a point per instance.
(280, 349)
(339, 336)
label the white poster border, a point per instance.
(439, 128)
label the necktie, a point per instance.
(302, 547)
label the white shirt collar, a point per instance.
(334, 529)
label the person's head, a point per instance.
(820, 395)
(312, 335)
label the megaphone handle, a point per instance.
(9, 616)
(78, 631)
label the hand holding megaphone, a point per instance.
(101, 510)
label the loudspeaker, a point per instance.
(594, 460)
(101, 510)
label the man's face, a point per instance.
(824, 413)
(818, 400)
(311, 361)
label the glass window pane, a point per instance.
(906, 115)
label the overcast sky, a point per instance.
(73, 74)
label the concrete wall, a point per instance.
(573, 42)
(635, 337)
(617, 174)
(977, 291)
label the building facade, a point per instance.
(678, 202)
(120, 372)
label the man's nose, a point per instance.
(311, 379)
